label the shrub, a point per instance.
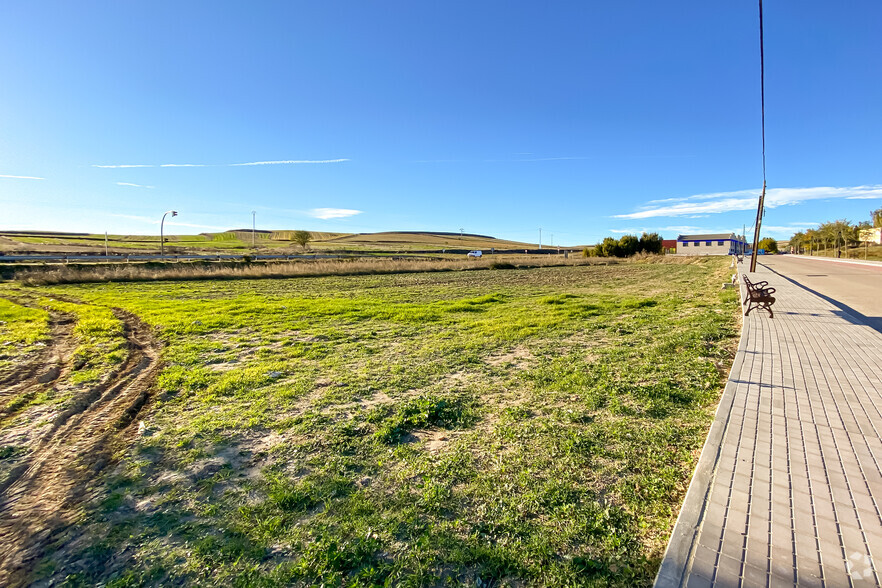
(769, 244)
(609, 247)
(650, 243)
(628, 245)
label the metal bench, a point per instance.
(759, 295)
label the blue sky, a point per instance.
(586, 119)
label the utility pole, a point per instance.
(540, 237)
(461, 234)
(253, 224)
(759, 209)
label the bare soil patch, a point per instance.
(41, 497)
(519, 358)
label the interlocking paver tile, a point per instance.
(754, 576)
(796, 488)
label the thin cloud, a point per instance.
(577, 158)
(702, 204)
(145, 219)
(518, 160)
(133, 185)
(279, 162)
(289, 161)
(669, 229)
(156, 221)
(440, 161)
(21, 177)
(787, 228)
(195, 226)
(330, 213)
(123, 165)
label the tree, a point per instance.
(842, 233)
(769, 244)
(302, 238)
(876, 215)
(650, 243)
(797, 241)
(811, 237)
(609, 247)
(628, 245)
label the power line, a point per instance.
(762, 198)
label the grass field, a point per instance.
(485, 428)
(21, 330)
(240, 241)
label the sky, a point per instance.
(582, 119)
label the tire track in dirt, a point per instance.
(50, 363)
(43, 496)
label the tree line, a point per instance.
(834, 233)
(626, 246)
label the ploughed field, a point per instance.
(484, 428)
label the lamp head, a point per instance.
(174, 213)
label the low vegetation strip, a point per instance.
(64, 274)
(492, 428)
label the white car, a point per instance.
(475, 254)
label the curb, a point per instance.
(678, 555)
(865, 263)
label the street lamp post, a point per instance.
(162, 232)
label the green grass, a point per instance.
(22, 325)
(492, 428)
(100, 341)
(22, 329)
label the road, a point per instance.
(855, 289)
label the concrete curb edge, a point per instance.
(677, 558)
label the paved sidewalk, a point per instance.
(788, 489)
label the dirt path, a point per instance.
(42, 496)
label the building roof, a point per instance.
(712, 237)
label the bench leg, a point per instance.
(761, 304)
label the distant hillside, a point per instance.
(270, 241)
